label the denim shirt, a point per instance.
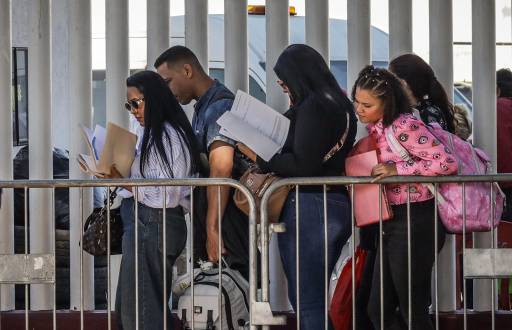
(217, 100)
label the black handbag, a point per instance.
(95, 230)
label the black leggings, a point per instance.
(395, 276)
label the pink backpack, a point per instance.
(471, 161)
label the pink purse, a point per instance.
(366, 196)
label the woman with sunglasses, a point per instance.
(166, 150)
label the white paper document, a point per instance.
(255, 124)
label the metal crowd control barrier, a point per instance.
(478, 263)
(30, 269)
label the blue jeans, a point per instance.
(151, 302)
(312, 257)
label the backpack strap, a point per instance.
(396, 146)
(340, 143)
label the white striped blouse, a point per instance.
(178, 156)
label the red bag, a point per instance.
(341, 304)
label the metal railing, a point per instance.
(41, 269)
(497, 262)
(260, 310)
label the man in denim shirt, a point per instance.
(188, 81)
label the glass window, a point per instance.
(20, 96)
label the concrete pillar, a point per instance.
(118, 55)
(236, 74)
(317, 26)
(158, 29)
(359, 44)
(6, 199)
(278, 36)
(40, 140)
(196, 29)
(400, 27)
(484, 114)
(441, 60)
(80, 96)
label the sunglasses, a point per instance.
(133, 104)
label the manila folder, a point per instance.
(119, 150)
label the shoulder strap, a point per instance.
(340, 143)
(396, 146)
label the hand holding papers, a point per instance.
(255, 124)
(115, 145)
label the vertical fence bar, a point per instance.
(297, 254)
(109, 298)
(277, 30)
(409, 275)
(436, 248)
(192, 254)
(7, 295)
(78, 62)
(25, 189)
(326, 261)
(235, 45)
(358, 42)
(136, 216)
(493, 281)
(464, 294)
(400, 27)
(353, 252)
(441, 60)
(158, 29)
(381, 267)
(196, 29)
(117, 59)
(219, 219)
(53, 246)
(40, 163)
(317, 26)
(164, 256)
(81, 202)
(483, 14)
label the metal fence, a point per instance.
(29, 269)
(478, 263)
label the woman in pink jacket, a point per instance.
(382, 103)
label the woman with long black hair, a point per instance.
(320, 115)
(427, 93)
(166, 150)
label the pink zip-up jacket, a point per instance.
(430, 157)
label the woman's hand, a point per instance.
(247, 151)
(114, 173)
(381, 171)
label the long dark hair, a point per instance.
(388, 88)
(306, 74)
(161, 107)
(423, 83)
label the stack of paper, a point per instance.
(255, 124)
(115, 145)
